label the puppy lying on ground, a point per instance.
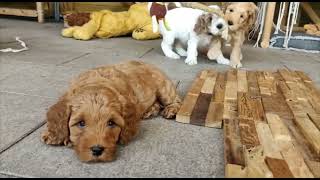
(103, 106)
(193, 28)
(240, 17)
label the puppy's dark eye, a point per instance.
(111, 123)
(231, 10)
(241, 16)
(82, 124)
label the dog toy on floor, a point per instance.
(23, 44)
(107, 24)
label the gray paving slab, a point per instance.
(162, 149)
(39, 80)
(19, 114)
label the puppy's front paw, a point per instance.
(235, 64)
(170, 111)
(223, 60)
(49, 139)
(191, 61)
(173, 56)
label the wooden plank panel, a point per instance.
(278, 167)
(257, 108)
(315, 118)
(200, 110)
(186, 109)
(248, 133)
(278, 128)
(242, 81)
(265, 137)
(214, 115)
(233, 149)
(220, 87)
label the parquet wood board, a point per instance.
(271, 120)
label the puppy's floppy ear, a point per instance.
(252, 11)
(225, 34)
(58, 116)
(203, 23)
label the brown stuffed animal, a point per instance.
(76, 19)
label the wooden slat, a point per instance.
(233, 149)
(310, 131)
(230, 109)
(253, 88)
(278, 128)
(296, 162)
(200, 110)
(214, 115)
(18, 12)
(186, 109)
(208, 85)
(235, 171)
(244, 108)
(286, 75)
(220, 87)
(231, 85)
(255, 164)
(196, 87)
(248, 133)
(242, 81)
(314, 167)
(266, 139)
(303, 76)
(315, 118)
(278, 167)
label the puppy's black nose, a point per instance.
(219, 26)
(97, 150)
(230, 23)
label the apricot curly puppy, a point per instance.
(103, 106)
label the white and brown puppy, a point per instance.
(191, 28)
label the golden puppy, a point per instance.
(240, 17)
(103, 106)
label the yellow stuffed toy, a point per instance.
(107, 24)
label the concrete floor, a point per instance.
(32, 80)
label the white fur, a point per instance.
(181, 22)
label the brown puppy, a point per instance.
(104, 105)
(240, 17)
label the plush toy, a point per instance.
(107, 24)
(312, 29)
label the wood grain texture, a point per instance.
(278, 128)
(214, 115)
(200, 110)
(278, 167)
(196, 87)
(208, 85)
(233, 149)
(235, 171)
(242, 81)
(220, 87)
(231, 85)
(266, 139)
(186, 109)
(230, 109)
(248, 133)
(255, 164)
(253, 87)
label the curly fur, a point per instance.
(123, 93)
